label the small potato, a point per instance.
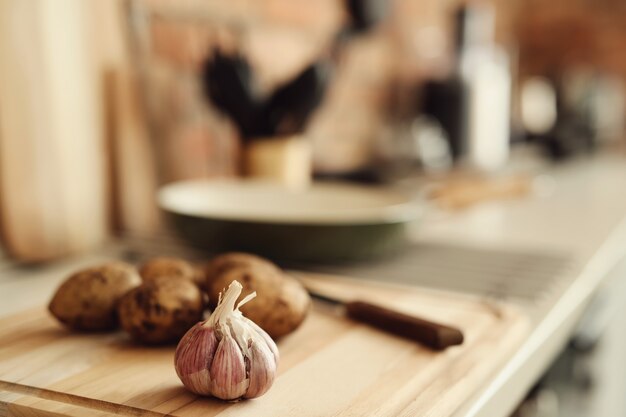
(161, 310)
(222, 263)
(281, 303)
(174, 268)
(88, 299)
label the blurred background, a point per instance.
(103, 102)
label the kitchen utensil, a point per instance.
(431, 334)
(289, 107)
(324, 222)
(329, 366)
(285, 156)
(365, 14)
(228, 83)
(274, 149)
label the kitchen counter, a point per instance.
(581, 213)
(584, 215)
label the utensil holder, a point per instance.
(284, 159)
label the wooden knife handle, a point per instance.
(434, 335)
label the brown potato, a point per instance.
(281, 303)
(222, 263)
(175, 268)
(161, 310)
(88, 299)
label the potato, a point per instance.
(161, 310)
(227, 261)
(281, 303)
(88, 299)
(175, 268)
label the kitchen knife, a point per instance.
(434, 335)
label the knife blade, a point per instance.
(434, 335)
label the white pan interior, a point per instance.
(256, 201)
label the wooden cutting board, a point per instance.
(53, 182)
(330, 366)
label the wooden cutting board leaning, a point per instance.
(329, 366)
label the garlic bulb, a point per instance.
(227, 356)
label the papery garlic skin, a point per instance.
(194, 355)
(262, 370)
(228, 371)
(227, 356)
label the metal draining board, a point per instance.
(520, 276)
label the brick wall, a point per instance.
(559, 34)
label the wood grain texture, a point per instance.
(133, 161)
(330, 366)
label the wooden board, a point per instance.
(330, 366)
(133, 163)
(53, 184)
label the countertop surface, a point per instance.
(579, 209)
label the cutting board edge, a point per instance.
(35, 402)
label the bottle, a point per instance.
(473, 104)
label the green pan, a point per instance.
(326, 222)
